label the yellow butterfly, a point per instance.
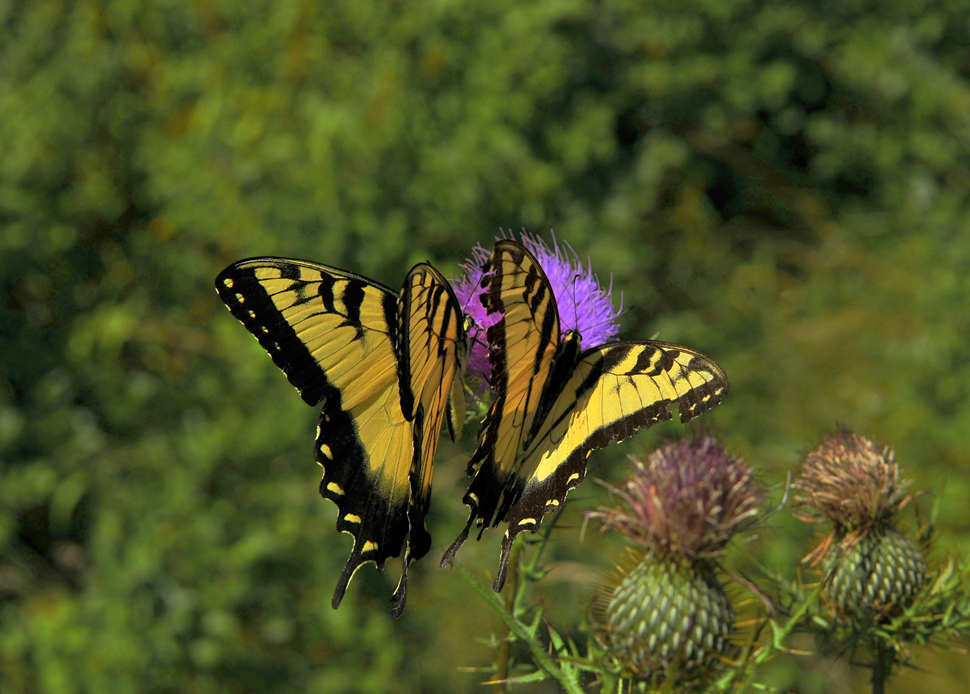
(554, 403)
(387, 369)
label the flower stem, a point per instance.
(880, 667)
(521, 631)
(740, 674)
(505, 644)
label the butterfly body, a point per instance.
(384, 368)
(555, 403)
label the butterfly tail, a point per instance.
(503, 564)
(350, 568)
(401, 592)
(456, 545)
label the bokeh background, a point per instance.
(781, 185)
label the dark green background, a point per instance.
(780, 185)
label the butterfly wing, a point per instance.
(522, 348)
(614, 390)
(335, 334)
(434, 349)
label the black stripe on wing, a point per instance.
(248, 299)
(667, 374)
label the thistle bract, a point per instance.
(669, 617)
(879, 574)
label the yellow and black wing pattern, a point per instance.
(433, 348)
(554, 403)
(383, 367)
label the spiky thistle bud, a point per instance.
(669, 618)
(872, 568)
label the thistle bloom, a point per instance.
(871, 567)
(669, 618)
(850, 481)
(584, 304)
(688, 498)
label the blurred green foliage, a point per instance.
(781, 185)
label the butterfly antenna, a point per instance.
(573, 302)
(615, 317)
(476, 336)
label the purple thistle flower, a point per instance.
(584, 304)
(850, 480)
(668, 619)
(688, 498)
(871, 569)
(468, 289)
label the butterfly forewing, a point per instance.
(523, 345)
(522, 348)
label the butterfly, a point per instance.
(387, 368)
(555, 403)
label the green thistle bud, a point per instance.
(878, 574)
(872, 568)
(668, 618)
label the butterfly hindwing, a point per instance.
(338, 338)
(554, 404)
(434, 350)
(614, 390)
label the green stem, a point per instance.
(542, 659)
(779, 634)
(505, 644)
(880, 667)
(530, 571)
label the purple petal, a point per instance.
(584, 304)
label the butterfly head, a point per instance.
(572, 337)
